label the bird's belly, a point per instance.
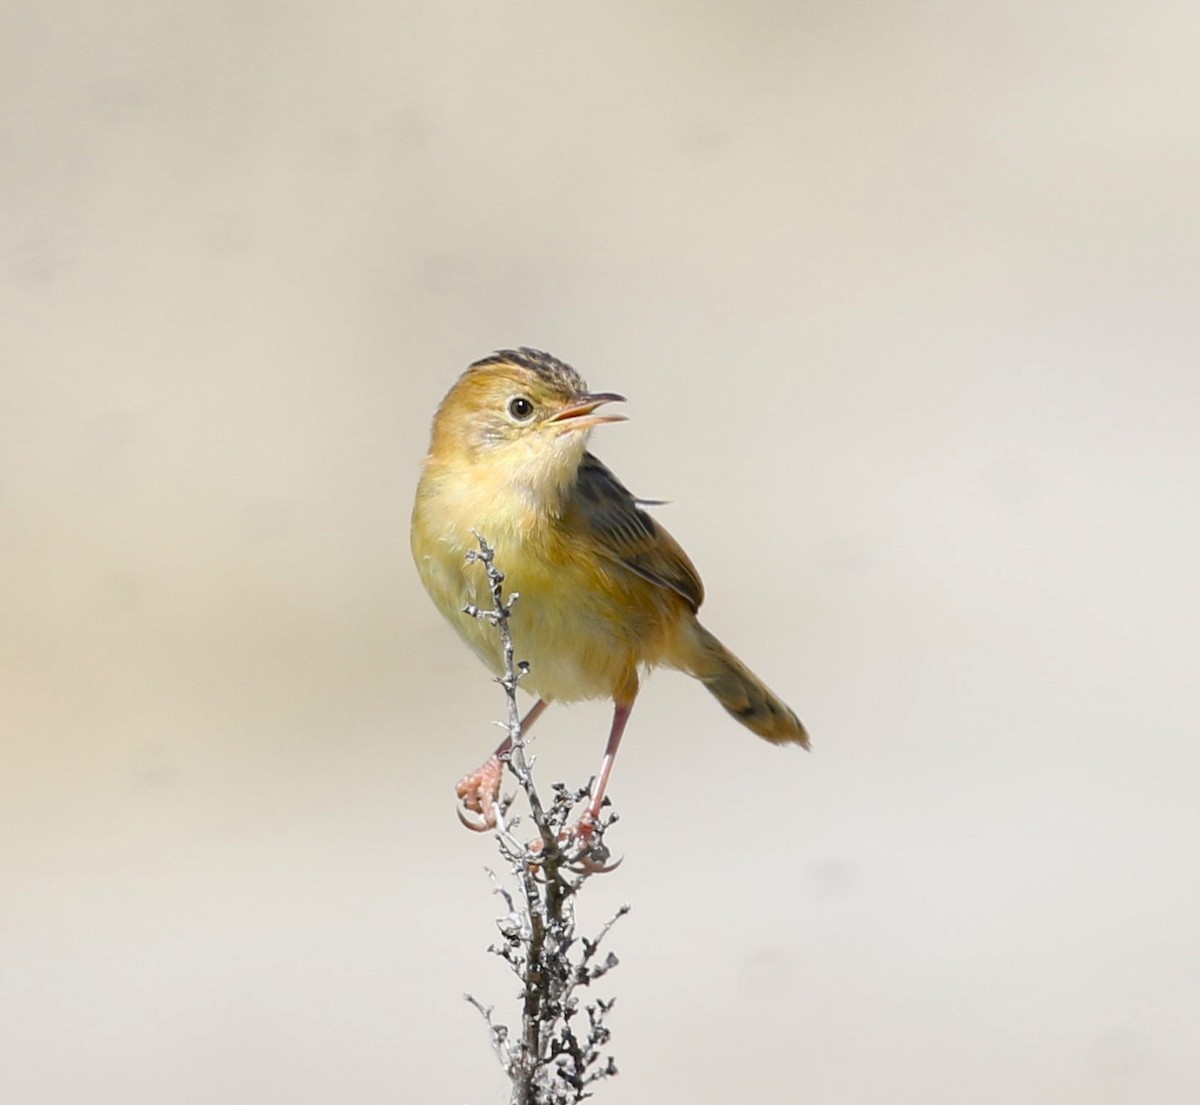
(573, 652)
(577, 635)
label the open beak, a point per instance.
(580, 414)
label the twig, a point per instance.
(550, 1062)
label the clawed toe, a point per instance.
(581, 848)
(594, 863)
(486, 823)
(591, 854)
(479, 793)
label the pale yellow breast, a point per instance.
(584, 626)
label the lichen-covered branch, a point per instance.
(558, 1054)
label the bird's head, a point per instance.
(524, 415)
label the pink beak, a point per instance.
(579, 416)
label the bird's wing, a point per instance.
(628, 535)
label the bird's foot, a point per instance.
(479, 793)
(582, 848)
(588, 853)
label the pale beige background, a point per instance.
(905, 297)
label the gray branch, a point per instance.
(557, 1056)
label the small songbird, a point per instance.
(605, 591)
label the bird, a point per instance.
(606, 593)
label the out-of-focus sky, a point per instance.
(905, 300)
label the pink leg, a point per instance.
(621, 713)
(594, 855)
(535, 712)
(479, 791)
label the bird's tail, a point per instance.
(737, 688)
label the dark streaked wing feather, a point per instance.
(629, 535)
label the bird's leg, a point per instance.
(585, 832)
(621, 713)
(479, 791)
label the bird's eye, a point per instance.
(520, 408)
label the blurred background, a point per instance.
(905, 300)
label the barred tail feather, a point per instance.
(738, 689)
